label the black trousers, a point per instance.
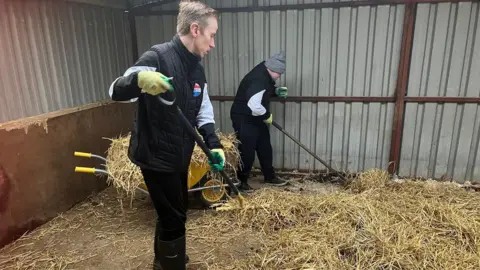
(253, 137)
(169, 194)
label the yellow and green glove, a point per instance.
(281, 92)
(219, 155)
(154, 83)
(269, 119)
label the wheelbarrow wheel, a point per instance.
(210, 196)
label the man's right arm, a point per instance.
(125, 88)
(255, 96)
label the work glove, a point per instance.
(269, 119)
(154, 83)
(219, 155)
(281, 92)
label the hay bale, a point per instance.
(126, 176)
(371, 224)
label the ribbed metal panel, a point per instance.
(330, 52)
(352, 136)
(56, 55)
(441, 140)
(446, 51)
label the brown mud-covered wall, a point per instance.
(37, 178)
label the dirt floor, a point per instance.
(101, 234)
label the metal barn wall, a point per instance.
(330, 52)
(442, 140)
(56, 55)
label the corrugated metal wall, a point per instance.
(442, 139)
(343, 52)
(56, 55)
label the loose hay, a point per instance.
(387, 225)
(126, 176)
(375, 223)
(371, 179)
(122, 173)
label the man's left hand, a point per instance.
(281, 92)
(269, 119)
(219, 155)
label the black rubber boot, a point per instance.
(276, 182)
(170, 255)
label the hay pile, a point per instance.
(374, 223)
(126, 176)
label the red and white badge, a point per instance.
(196, 90)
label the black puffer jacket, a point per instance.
(158, 139)
(252, 100)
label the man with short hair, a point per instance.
(250, 114)
(159, 143)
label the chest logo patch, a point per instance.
(196, 90)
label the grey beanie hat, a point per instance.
(276, 63)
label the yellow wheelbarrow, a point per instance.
(208, 190)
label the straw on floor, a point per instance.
(374, 223)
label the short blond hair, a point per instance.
(193, 12)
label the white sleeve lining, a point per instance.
(255, 104)
(128, 72)
(205, 115)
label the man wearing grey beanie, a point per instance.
(250, 114)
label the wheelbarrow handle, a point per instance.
(199, 141)
(89, 170)
(88, 155)
(82, 154)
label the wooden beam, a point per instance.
(285, 7)
(458, 100)
(401, 89)
(349, 99)
(256, 8)
(120, 4)
(317, 99)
